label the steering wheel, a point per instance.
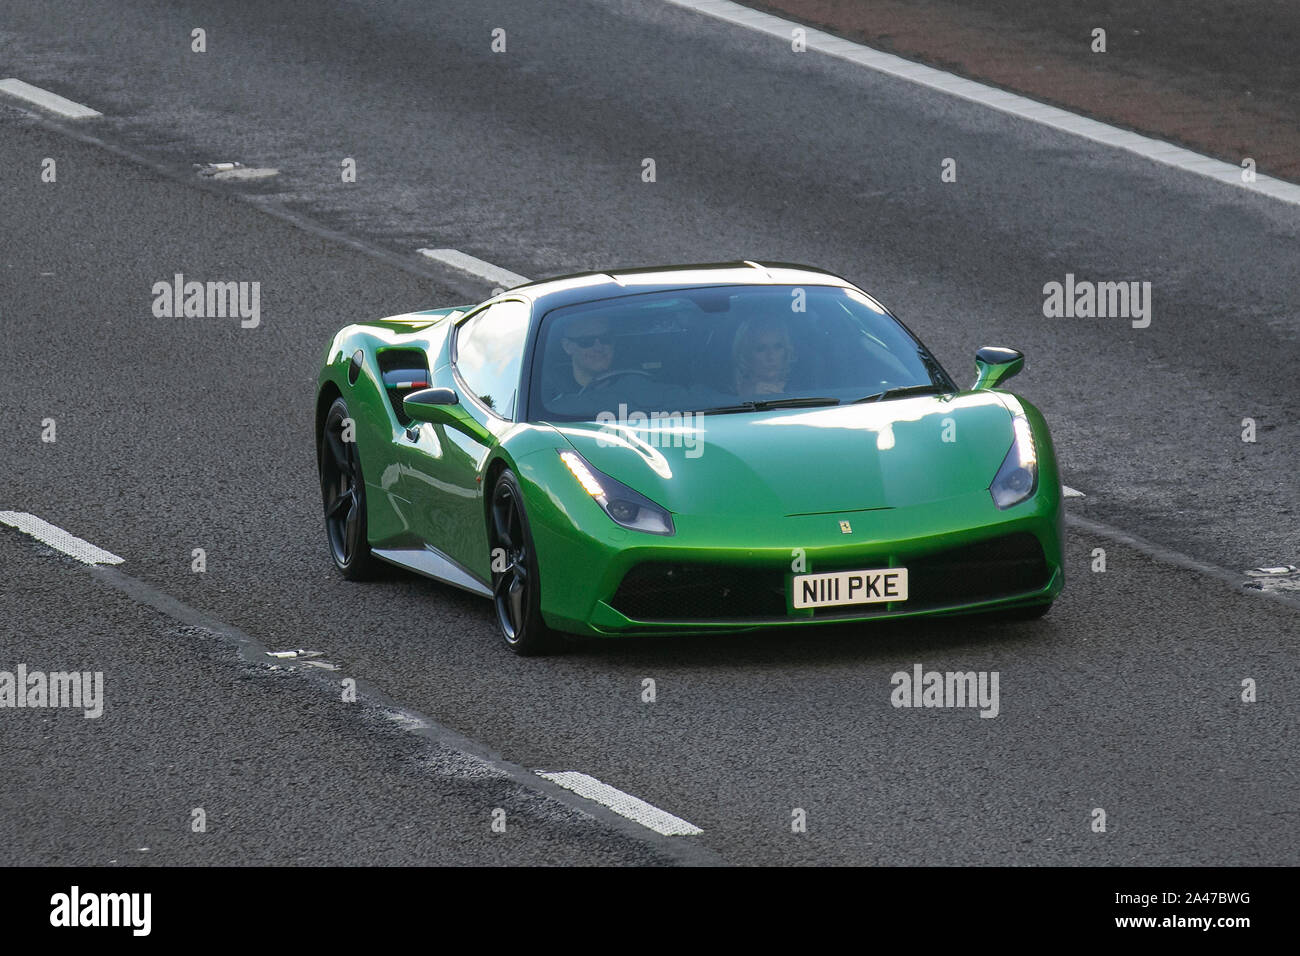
(612, 374)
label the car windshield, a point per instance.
(723, 349)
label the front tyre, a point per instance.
(343, 492)
(516, 589)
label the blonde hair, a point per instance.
(742, 346)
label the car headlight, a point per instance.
(625, 507)
(1017, 479)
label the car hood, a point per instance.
(798, 461)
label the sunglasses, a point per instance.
(587, 341)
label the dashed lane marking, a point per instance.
(46, 100)
(493, 275)
(57, 538)
(624, 804)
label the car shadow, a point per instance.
(870, 642)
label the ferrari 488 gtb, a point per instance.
(690, 448)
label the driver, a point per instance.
(590, 347)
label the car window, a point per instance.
(717, 348)
(489, 347)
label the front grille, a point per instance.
(694, 591)
(1011, 564)
(662, 591)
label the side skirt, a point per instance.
(434, 564)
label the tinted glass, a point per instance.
(712, 349)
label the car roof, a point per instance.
(547, 294)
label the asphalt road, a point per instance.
(279, 770)
(1218, 76)
(177, 434)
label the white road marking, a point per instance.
(306, 657)
(57, 538)
(494, 275)
(246, 172)
(1283, 577)
(1071, 492)
(411, 722)
(233, 170)
(1278, 569)
(1020, 106)
(46, 100)
(661, 821)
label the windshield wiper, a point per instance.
(795, 402)
(763, 405)
(928, 389)
(724, 409)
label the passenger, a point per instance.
(761, 356)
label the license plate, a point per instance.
(838, 588)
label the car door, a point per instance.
(444, 462)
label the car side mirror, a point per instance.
(441, 406)
(994, 365)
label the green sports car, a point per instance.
(685, 449)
